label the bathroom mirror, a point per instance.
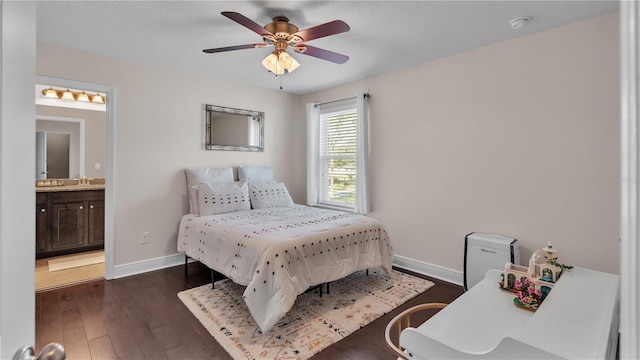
(234, 129)
(59, 147)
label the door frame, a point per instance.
(629, 180)
(110, 185)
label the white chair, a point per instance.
(403, 321)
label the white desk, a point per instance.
(578, 320)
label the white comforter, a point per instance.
(278, 253)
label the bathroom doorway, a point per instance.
(85, 131)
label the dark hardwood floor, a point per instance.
(141, 317)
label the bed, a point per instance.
(277, 249)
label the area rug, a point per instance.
(313, 323)
(74, 261)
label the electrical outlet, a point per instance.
(144, 239)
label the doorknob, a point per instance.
(24, 353)
(52, 351)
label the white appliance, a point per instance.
(484, 252)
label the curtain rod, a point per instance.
(334, 101)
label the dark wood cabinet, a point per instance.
(96, 223)
(43, 222)
(69, 222)
(68, 225)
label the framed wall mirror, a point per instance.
(234, 129)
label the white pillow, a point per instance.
(206, 175)
(269, 194)
(255, 173)
(223, 197)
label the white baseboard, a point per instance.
(420, 267)
(435, 271)
(143, 266)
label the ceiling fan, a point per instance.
(282, 34)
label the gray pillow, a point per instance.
(208, 175)
(255, 173)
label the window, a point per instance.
(337, 157)
(338, 154)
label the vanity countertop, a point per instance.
(69, 188)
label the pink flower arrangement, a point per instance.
(527, 296)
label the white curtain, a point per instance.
(363, 193)
(313, 152)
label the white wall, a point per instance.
(17, 188)
(519, 138)
(159, 122)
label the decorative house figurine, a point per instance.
(532, 284)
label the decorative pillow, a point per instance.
(223, 197)
(268, 194)
(206, 175)
(192, 191)
(255, 173)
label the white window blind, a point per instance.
(337, 161)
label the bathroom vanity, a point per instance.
(69, 219)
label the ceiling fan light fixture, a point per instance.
(285, 59)
(282, 34)
(272, 64)
(279, 61)
(294, 65)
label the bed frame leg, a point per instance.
(186, 268)
(328, 288)
(367, 272)
(213, 279)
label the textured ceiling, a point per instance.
(384, 36)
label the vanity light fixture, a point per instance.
(97, 98)
(83, 97)
(50, 93)
(73, 95)
(67, 95)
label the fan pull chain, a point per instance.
(280, 76)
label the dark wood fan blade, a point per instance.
(330, 28)
(325, 54)
(231, 48)
(246, 22)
